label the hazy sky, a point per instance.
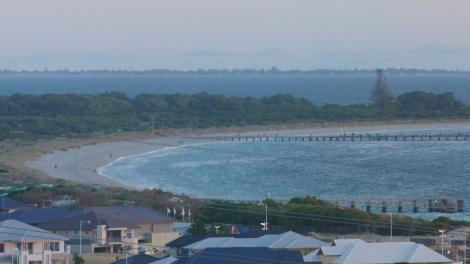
(191, 34)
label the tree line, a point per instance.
(51, 115)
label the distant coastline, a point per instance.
(223, 72)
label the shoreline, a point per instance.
(81, 163)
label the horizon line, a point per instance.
(271, 70)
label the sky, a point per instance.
(183, 35)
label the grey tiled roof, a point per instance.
(287, 240)
(16, 231)
(384, 252)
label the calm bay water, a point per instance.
(337, 171)
(321, 89)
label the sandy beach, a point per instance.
(81, 164)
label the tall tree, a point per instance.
(381, 95)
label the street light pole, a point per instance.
(465, 249)
(391, 227)
(81, 223)
(266, 214)
(442, 240)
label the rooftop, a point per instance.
(237, 256)
(16, 231)
(8, 203)
(35, 216)
(360, 252)
(128, 213)
(138, 259)
(95, 218)
(287, 240)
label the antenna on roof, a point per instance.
(216, 229)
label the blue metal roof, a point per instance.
(35, 216)
(8, 203)
(138, 259)
(242, 255)
(95, 218)
(128, 213)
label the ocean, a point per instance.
(336, 171)
(321, 89)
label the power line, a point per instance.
(365, 223)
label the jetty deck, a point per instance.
(341, 137)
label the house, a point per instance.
(237, 255)
(35, 216)
(152, 229)
(190, 245)
(94, 232)
(137, 259)
(288, 240)
(177, 246)
(186, 240)
(8, 205)
(356, 251)
(24, 244)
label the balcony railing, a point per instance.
(114, 239)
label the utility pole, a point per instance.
(153, 126)
(391, 227)
(81, 223)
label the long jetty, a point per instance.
(341, 137)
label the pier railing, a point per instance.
(341, 137)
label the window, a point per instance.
(2, 248)
(54, 246)
(30, 248)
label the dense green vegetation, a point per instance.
(310, 214)
(51, 115)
